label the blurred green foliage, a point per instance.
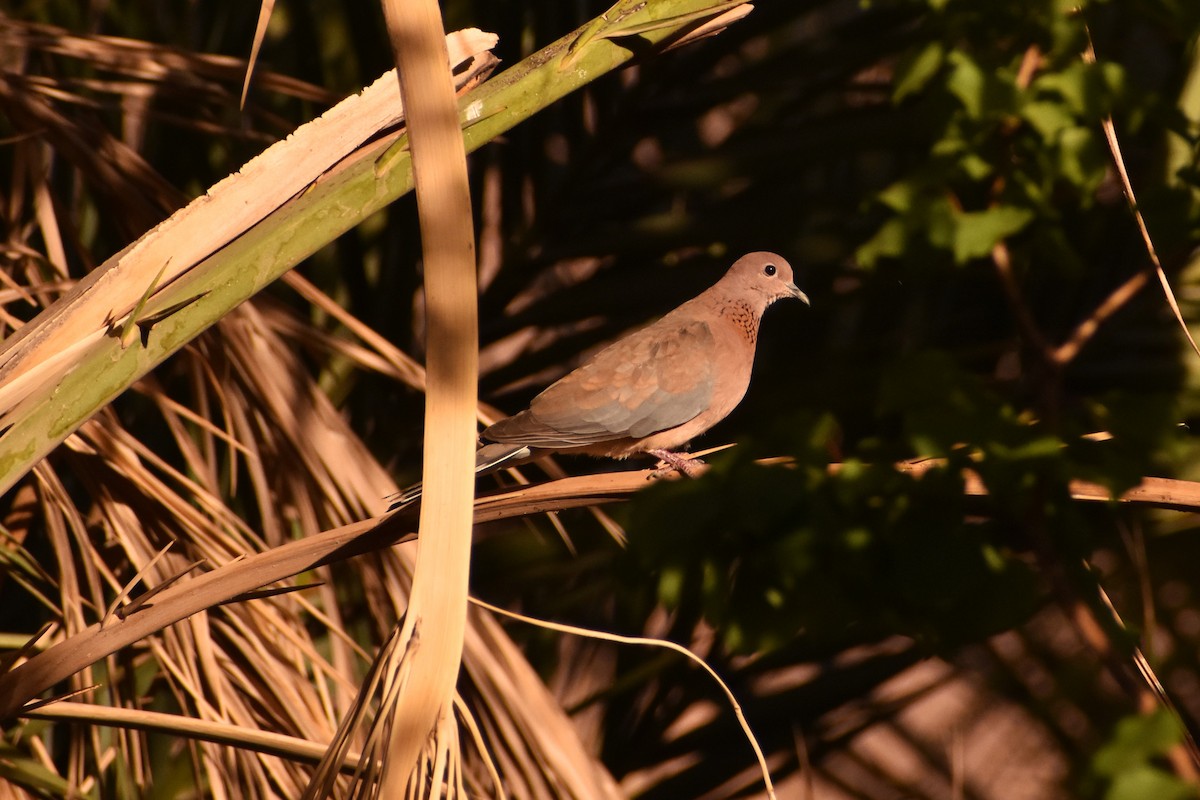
(767, 554)
(992, 133)
(1131, 765)
(994, 136)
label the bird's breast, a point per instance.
(741, 317)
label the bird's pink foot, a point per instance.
(678, 462)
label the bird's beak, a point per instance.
(795, 292)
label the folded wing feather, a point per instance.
(651, 381)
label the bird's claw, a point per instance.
(678, 463)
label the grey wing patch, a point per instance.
(652, 381)
(664, 410)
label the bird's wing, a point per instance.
(651, 381)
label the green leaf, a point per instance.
(1082, 160)
(1070, 84)
(20, 769)
(670, 587)
(976, 232)
(916, 69)
(1033, 449)
(1048, 118)
(901, 196)
(975, 166)
(1113, 75)
(1148, 783)
(968, 83)
(1087, 89)
(1136, 740)
(888, 242)
(942, 224)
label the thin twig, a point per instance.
(1065, 352)
(1025, 321)
(642, 640)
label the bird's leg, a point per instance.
(686, 465)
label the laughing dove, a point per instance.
(657, 388)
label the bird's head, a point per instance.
(765, 276)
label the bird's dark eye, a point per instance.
(769, 269)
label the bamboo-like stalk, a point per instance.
(431, 634)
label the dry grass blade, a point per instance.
(141, 61)
(249, 665)
(109, 164)
(403, 366)
(525, 725)
(1114, 146)
(260, 33)
(713, 26)
(40, 704)
(178, 602)
(468, 720)
(322, 782)
(235, 736)
(134, 581)
(26, 649)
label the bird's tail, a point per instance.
(488, 459)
